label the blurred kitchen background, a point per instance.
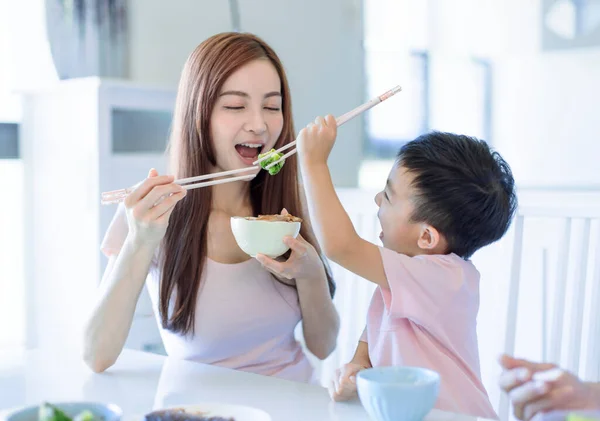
(86, 94)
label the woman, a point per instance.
(213, 303)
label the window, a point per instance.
(461, 96)
(389, 127)
(395, 47)
(441, 90)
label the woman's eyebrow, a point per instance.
(245, 95)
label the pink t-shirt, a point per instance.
(427, 318)
(245, 319)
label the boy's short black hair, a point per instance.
(464, 189)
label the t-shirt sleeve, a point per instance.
(363, 336)
(115, 235)
(424, 288)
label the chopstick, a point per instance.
(117, 196)
(214, 175)
(222, 181)
(339, 121)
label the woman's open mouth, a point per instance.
(249, 152)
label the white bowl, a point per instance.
(263, 237)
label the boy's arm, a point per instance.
(334, 229)
(361, 356)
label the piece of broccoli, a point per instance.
(273, 156)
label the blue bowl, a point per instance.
(398, 393)
(104, 412)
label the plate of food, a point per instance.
(264, 234)
(208, 412)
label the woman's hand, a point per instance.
(303, 264)
(535, 388)
(150, 205)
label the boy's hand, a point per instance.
(316, 140)
(343, 386)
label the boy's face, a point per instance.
(396, 207)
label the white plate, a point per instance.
(237, 412)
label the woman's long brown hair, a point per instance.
(191, 151)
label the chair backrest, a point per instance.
(575, 289)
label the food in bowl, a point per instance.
(181, 414)
(275, 218)
(264, 234)
(209, 412)
(273, 157)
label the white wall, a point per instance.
(163, 34)
(12, 292)
(545, 104)
(547, 122)
(320, 44)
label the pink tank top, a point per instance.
(245, 319)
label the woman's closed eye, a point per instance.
(241, 107)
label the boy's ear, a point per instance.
(429, 237)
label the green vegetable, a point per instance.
(84, 416)
(45, 413)
(273, 156)
(49, 412)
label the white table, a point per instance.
(140, 382)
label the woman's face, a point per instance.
(247, 118)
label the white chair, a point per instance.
(564, 326)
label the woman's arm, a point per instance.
(108, 325)
(320, 320)
(148, 209)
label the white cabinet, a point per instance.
(79, 138)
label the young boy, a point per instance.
(446, 197)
